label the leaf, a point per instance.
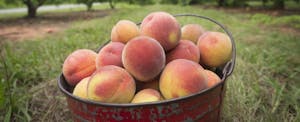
(8, 115)
(2, 95)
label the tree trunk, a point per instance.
(278, 4)
(32, 7)
(221, 2)
(31, 11)
(89, 6)
(264, 2)
(131, 2)
(111, 4)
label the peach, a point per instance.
(123, 31)
(146, 95)
(163, 27)
(153, 84)
(215, 49)
(212, 78)
(144, 58)
(191, 32)
(110, 54)
(111, 84)
(182, 77)
(80, 89)
(78, 65)
(184, 50)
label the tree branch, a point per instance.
(41, 2)
(26, 2)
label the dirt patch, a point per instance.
(19, 29)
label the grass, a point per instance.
(264, 86)
(101, 6)
(289, 4)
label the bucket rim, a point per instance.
(62, 80)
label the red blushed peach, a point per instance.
(215, 49)
(111, 84)
(80, 89)
(110, 54)
(191, 32)
(146, 95)
(144, 58)
(163, 27)
(182, 77)
(184, 50)
(212, 78)
(78, 65)
(123, 31)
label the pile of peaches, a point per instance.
(154, 61)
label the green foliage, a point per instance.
(88, 3)
(184, 2)
(280, 4)
(141, 2)
(169, 1)
(14, 90)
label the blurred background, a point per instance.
(37, 35)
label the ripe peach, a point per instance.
(191, 32)
(215, 49)
(182, 77)
(110, 54)
(184, 50)
(123, 31)
(163, 27)
(80, 89)
(144, 58)
(78, 65)
(212, 78)
(111, 84)
(146, 95)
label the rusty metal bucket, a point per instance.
(204, 106)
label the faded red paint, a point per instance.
(203, 107)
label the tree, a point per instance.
(169, 1)
(264, 2)
(112, 3)
(278, 4)
(238, 3)
(140, 2)
(184, 2)
(221, 2)
(32, 6)
(88, 3)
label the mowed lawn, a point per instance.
(263, 87)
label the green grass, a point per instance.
(289, 4)
(264, 86)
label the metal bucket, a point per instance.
(204, 106)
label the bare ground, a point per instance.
(20, 29)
